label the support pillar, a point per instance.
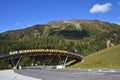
(60, 60)
(15, 62)
(65, 61)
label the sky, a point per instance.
(18, 14)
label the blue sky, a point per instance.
(18, 14)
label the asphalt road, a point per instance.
(54, 74)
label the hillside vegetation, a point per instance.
(79, 36)
(67, 29)
(107, 58)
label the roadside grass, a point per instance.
(105, 59)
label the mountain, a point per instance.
(68, 29)
(79, 36)
(107, 58)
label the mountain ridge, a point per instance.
(63, 28)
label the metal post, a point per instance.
(18, 61)
(15, 64)
(65, 60)
(61, 62)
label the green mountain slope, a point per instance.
(107, 58)
(68, 29)
(80, 36)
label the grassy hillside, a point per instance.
(68, 29)
(107, 58)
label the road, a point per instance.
(11, 75)
(63, 74)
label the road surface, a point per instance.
(11, 75)
(63, 74)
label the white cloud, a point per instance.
(98, 8)
(17, 24)
(29, 25)
(119, 3)
(118, 23)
